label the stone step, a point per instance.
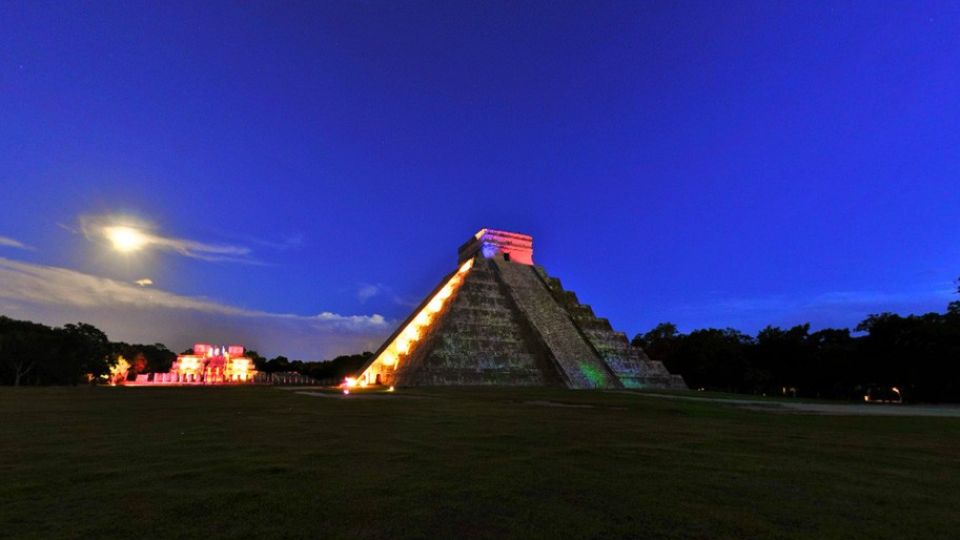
(468, 377)
(477, 339)
(573, 355)
(630, 364)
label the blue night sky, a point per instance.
(308, 170)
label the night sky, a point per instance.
(307, 171)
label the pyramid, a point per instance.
(498, 319)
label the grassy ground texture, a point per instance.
(461, 463)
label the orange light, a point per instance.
(435, 305)
(445, 292)
(350, 382)
(414, 331)
(118, 373)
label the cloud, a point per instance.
(6, 241)
(130, 312)
(366, 292)
(99, 228)
(289, 242)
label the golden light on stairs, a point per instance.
(389, 359)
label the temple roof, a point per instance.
(491, 242)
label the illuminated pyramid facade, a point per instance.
(500, 320)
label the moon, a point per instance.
(125, 239)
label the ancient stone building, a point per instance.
(500, 320)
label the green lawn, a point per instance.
(474, 463)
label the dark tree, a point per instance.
(259, 362)
(37, 354)
(954, 307)
(917, 354)
(661, 342)
(277, 365)
(21, 347)
(86, 350)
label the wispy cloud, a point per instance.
(6, 241)
(134, 313)
(289, 242)
(367, 291)
(99, 228)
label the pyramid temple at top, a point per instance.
(498, 319)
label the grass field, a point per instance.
(454, 463)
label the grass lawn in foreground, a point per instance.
(461, 463)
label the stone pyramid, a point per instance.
(500, 320)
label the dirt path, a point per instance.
(359, 395)
(820, 408)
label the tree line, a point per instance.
(919, 355)
(36, 354)
(336, 369)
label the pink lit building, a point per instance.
(207, 365)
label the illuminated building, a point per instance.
(207, 365)
(498, 319)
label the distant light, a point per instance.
(390, 389)
(350, 382)
(346, 391)
(125, 239)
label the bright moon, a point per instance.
(125, 239)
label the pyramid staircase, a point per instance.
(479, 339)
(630, 364)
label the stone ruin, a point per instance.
(212, 365)
(501, 320)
